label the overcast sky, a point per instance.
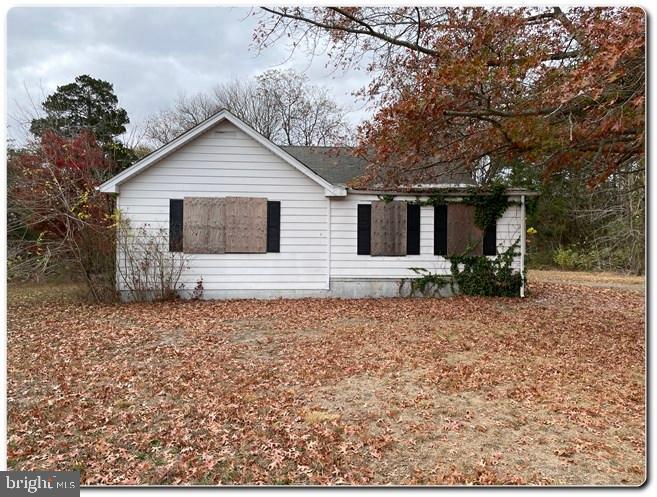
(150, 55)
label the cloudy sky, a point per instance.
(151, 55)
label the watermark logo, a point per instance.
(40, 483)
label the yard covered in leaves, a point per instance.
(545, 390)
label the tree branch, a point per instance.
(368, 30)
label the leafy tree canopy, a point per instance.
(88, 104)
(558, 89)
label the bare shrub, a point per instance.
(146, 270)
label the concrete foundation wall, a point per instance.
(341, 288)
(358, 288)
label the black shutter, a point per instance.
(440, 230)
(364, 229)
(490, 239)
(412, 229)
(273, 226)
(175, 225)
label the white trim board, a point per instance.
(113, 185)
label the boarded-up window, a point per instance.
(440, 229)
(175, 225)
(273, 226)
(490, 239)
(463, 235)
(203, 220)
(412, 229)
(246, 225)
(389, 223)
(364, 229)
(221, 225)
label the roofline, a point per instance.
(112, 185)
(451, 190)
(318, 146)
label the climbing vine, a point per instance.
(428, 284)
(472, 274)
(490, 204)
(489, 207)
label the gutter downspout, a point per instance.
(523, 236)
(328, 245)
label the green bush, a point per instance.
(565, 258)
(488, 277)
(571, 259)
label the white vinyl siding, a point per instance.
(346, 263)
(231, 163)
(225, 161)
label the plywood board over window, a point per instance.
(203, 222)
(462, 232)
(389, 224)
(216, 226)
(195, 220)
(246, 225)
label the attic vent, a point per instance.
(225, 134)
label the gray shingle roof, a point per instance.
(335, 164)
(338, 165)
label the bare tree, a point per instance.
(281, 105)
(306, 114)
(187, 112)
(248, 101)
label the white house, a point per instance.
(263, 221)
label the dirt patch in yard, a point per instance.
(263, 339)
(428, 436)
(462, 357)
(173, 338)
(544, 390)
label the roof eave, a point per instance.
(449, 190)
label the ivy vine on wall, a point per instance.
(489, 207)
(474, 275)
(386, 198)
(428, 284)
(490, 203)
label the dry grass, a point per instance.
(600, 279)
(38, 293)
(314, 417)
(545, 390)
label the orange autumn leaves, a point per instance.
(312, 391)
(556, 89)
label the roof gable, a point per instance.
(113, 185)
